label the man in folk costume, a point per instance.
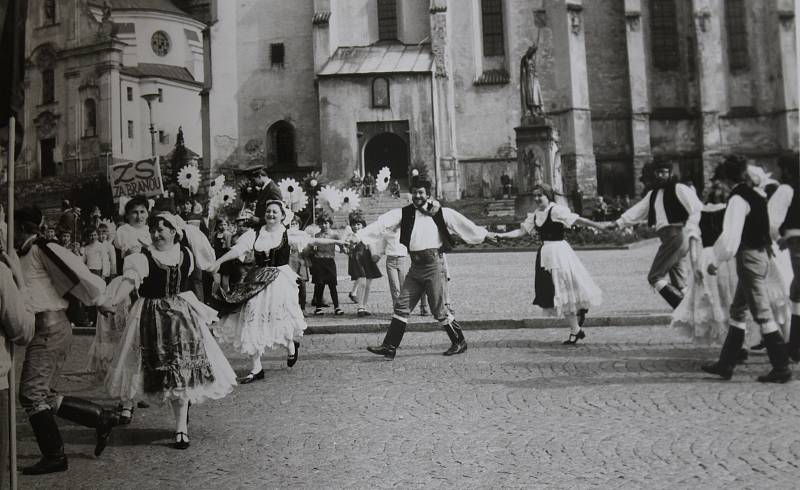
(50, 272)
(425, 231)
(673, 209)
(746, 234)
(784, 215)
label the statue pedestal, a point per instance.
(537, 144)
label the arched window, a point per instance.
(48, 86)
(664, 34)
(281, 144)
(89, 118)
(380, 92)
(387, 20)
(736, 27)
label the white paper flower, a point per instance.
(293, 194)
(189, 178)
(383, 179)
(350, 200)
(216, 185)
(414, 172)
(225, 196)
(330, 199)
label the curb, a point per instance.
(627, 246)
(379, 324)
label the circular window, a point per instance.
(160, 43)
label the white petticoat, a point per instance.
(125, 379)
(271, 317)
(108, 333)
(704, 312)
(574, 287)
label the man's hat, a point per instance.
(254, 170)
(662, 164)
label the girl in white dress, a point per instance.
(563, 286)
(265, 308)
(168, 353)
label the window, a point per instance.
(49, 12)
(163, 137)
(89, 118)
(492, 19)
(277, 54)
(47, 161)
(281, 139)
(736, 27)
(160, 43)
(130, 129)
(161, 95)
(380, 92)
(664, 32)
(387, 20)
(129, 91)
(691, 55)
(48, 87)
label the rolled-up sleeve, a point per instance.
(729, 240)
(463, 227)
(688, 197)
(777, 207)
(636, 214)
(386, 223)
(245, 243)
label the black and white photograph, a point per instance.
(357, 244)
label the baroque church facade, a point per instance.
(344, 85)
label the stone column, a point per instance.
(640, 101)
(708, 17)
(788, 49)
(571, 111)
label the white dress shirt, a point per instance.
(425, 234)
(729, 240)
(638, 213)
(778, 206)
(41, 293)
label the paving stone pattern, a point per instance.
(628, 409)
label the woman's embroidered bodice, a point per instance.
(166, 280)
(550, 230)
(274, 257)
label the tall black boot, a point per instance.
(49, 439)
(778, 357)
(90, 414)
(456, 334)
(794, 339)
(672, 295)
(392, 340)
(727, 357)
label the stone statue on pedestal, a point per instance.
(530, 90)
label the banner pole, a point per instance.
(12, 379)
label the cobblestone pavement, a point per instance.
(627, 409)
(499, 285)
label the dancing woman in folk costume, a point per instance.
(168, 352)
(265, 309)
(562, 285)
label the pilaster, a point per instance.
(787, 32)
(638, 81)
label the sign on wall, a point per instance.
(137, 178)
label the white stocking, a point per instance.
(180, 408)
(256, 360)
(572, 320)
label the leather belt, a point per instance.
(425, 256)
(47, 318)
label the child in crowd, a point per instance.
(298, 261)
(361, 266)
(323, 268)
(221, 241)
(104, 237)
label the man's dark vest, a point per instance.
(550, 231)
(755, 234)
(407, 224)
(275, 257)
(792, 220)
(676, 213)
(166, 280)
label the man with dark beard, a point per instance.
(425, 231)
(671, 208)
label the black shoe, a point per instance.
(48, 464)
(181, 440)
(49, 440)
(457, 348)
(794, 355)
(672, 295)
(292, 359)
(574, 338)
(743, 356)
(318, 311)
(125, 414)
(776, 376)
(363, 312)
(251, 377)
(338, 311)
(759, 346)
(353, 297)
(90, 414)
(724, 372)
(383, 350)
(142, 404)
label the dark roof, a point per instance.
(169, 72)
(493, 77)
(379, 58)
(157, 5)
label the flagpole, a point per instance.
(12, 379)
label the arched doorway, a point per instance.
(387, 150)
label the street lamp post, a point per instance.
(149, 98)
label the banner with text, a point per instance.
(137, 178)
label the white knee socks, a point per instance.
(180, 408)
(572, 320)
(256, 360)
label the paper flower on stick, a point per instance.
(189, 178)
(330, 199)
(350, 200)
(293, 194)
(383, 179)
(216, 185)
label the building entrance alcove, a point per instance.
(385, 144)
